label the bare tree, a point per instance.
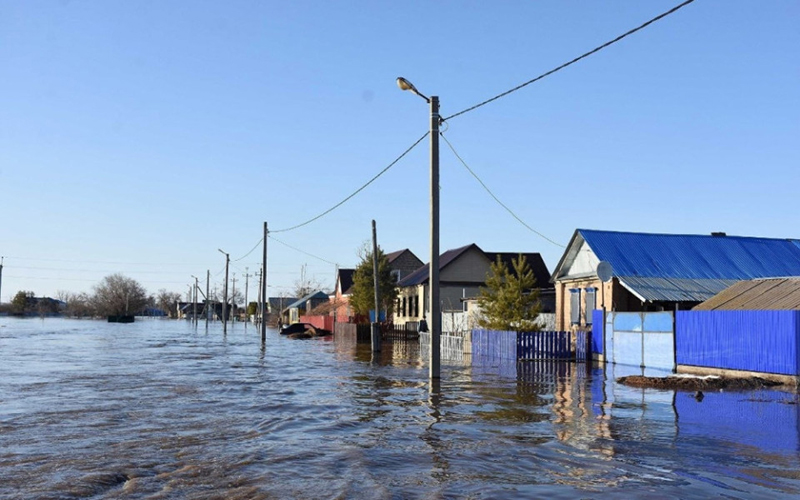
(305, 284)
(168, 302)
(117, 295)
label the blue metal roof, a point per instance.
(676, 267)
(694, 256)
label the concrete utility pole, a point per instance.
(233, 298)
(225, 294)
(208, 295)
(433, 274)
(376, 325)
(246, 289)
(258, 301)
(194, 304)
(264, 298)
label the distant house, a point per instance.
(462, 271)
(341, 295)
(660, 272)
(293, 311)
(403, 262)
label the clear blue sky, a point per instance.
(141, 136)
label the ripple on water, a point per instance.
(158, 409)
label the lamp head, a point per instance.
(406, 85)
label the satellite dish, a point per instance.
(604, 271)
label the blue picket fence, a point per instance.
(543, 345)
(505, 345)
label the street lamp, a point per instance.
(435, 306)
(225, 293)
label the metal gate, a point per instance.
(646, 339)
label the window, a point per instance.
(396, 275)
(404, 307)
(575, 306)
(590, 300)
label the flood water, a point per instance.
(158, 409)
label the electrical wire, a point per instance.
(251, 250)
(495, 197)
(91, 270)
(587, 54)
(105, 262)
(302, 251)
(355, 192)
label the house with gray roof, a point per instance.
(462, 272)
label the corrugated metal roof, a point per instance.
(766, 294)
(673, 289)
(698, 257)
(301, 302)
(690, 268)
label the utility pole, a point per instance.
(1, 279)
(258, 301)
(376, 325)
(194, 305)
(433, 273)
(208, 295)
(246, 289)
(264, 297)
(233, 298)
(225, 294)
(436, 306)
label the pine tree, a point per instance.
(510, 300)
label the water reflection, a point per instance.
(167, 410)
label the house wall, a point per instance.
(470, 267)
(612, 294)
(406, 263)
(418, 292)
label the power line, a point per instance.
(355, 192)
(587, 54)
(92, 270)
(104, 262)
(251, 250)
(495, 197)
(302, 251)
(58, 278)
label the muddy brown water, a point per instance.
(158, 409)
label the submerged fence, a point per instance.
(505, 345)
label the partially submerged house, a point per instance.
(462, 271)
(341, 295)
(293, 311)
(659, 272)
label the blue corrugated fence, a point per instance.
(758, 341)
